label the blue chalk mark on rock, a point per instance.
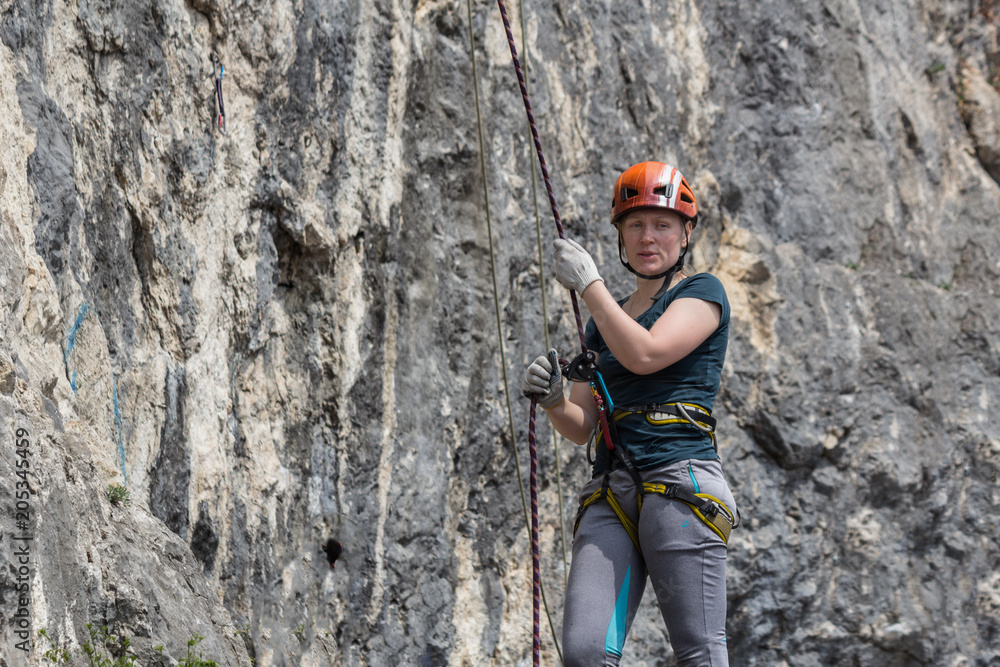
(71, 344)
(118, 428)
(71, 338)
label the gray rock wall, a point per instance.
(288, 332)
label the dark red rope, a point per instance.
(536, 561)
(541, 156)
(536, 587)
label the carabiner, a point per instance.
(218, 71)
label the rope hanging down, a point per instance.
(532, 449)
(538, 590)
(541, 156)
(545, 318)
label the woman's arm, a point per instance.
(684, 325)
(576, 417)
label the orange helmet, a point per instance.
(653, 185)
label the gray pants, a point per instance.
(685, 560)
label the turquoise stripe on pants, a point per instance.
(614, 640)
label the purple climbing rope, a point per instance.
(536, 562)
(541, 156)
(536, 587)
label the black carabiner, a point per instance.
(583, 368)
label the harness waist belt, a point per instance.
(670, 413)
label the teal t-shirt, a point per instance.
(693, 379)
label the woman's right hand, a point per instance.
(544, 380)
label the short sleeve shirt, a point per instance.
(693, 379)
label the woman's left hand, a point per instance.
(575, 268)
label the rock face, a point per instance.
(287, 333)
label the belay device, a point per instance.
(583, 368)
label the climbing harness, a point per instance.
(711, 510)
(218, 70)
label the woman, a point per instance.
(658, 502)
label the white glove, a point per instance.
(575, 268)
(542, 381)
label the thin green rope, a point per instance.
(496, 307)
(545, 310)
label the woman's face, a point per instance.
(653, 239)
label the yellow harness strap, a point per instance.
(605, 493)
(721, 524)
(667, 414)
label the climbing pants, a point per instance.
(685, 560)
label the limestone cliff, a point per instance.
(286, 333)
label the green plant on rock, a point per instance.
(934, 68)
(192, 660)
(54, 653)
(107, 650)
(244, 634)
(119, 495)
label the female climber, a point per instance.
(658, 503)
